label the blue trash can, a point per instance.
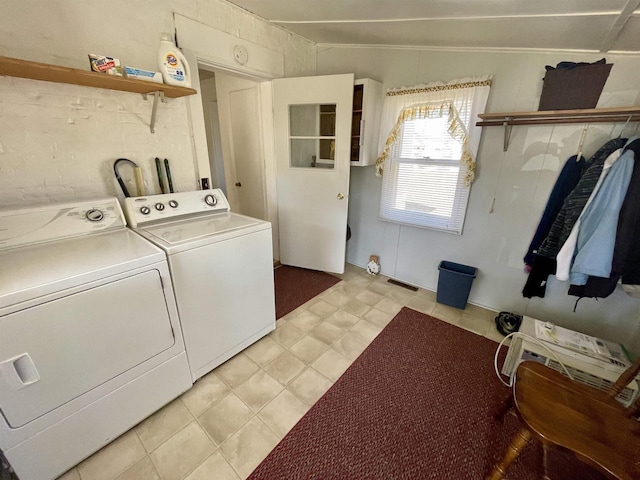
(454, 283)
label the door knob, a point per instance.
(340, 196)
(238, 184)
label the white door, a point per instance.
(216, 159)
(312, 139)
(247, 152)
(239, 113)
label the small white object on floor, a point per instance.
(373, 268)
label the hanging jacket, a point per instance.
(566, 182)
(626, 254)
(566, 218)
(575, 202)
(564, 259)
(597, 235)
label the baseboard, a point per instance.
(493, 309)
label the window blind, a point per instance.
(423, 183)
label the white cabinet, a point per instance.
(365, 127)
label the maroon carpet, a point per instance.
(295, 286)
(417, 404)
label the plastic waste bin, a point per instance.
(454, 283)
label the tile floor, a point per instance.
(233, 417)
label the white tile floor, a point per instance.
(233, 417)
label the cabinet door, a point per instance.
(312, 130)
(365, 128)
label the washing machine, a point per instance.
(90, 340)
(221, 266)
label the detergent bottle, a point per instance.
(172, 64)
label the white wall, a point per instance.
(521, 179)
(59, 141)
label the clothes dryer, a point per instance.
(90, 341)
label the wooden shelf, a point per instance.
(55, 73)
(552, 117)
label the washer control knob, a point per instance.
(145, 210)
(210, 200)
(159, 206)
(173, 204)
(94, 215)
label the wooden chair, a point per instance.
(559, 412)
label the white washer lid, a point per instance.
(179, 235)
(36, 270)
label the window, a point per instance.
(312, 130)
(429, 141)
(424, 182)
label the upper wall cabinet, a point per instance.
(365, 127)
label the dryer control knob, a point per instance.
(173, 204)
(159, 206)
(210, 200)
(145, 210)
(94, 215)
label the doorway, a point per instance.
(231, 106)
(261, 123)
(212, 128)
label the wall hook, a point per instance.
(582, 139)
(625, 125)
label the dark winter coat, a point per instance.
(566, 182)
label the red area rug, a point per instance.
(295, 286)
(417, 404)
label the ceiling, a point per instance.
(592, 25)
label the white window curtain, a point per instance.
(428, 145)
